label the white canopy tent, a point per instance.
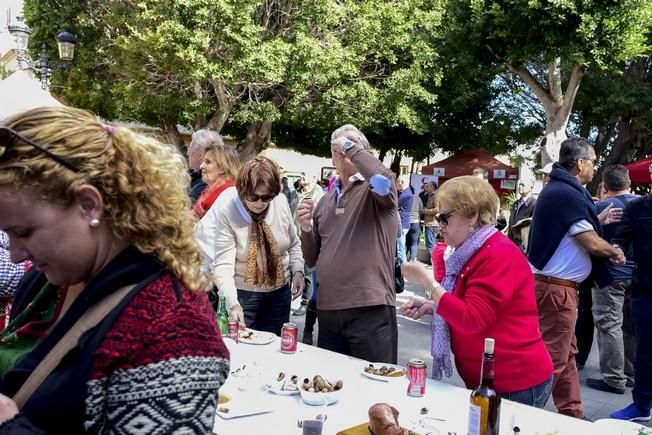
(20, 91)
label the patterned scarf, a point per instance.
(269, 274)
(441, 340)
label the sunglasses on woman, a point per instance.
(8, 136)
(442, 218)
(252, 197)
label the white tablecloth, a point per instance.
(263, 363)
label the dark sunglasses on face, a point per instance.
(442, 218)
(252, 197)
(9, 136)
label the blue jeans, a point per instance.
(641, 306)
(431, 238)
(536, 396)
(315, 285)
(400, 246)
(412, 241)
(266, 311)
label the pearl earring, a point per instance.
(94, 223)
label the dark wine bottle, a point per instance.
(484, 409)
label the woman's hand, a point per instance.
(414, 271)
(298, 284)
(8, 408)
(417, 307)
(238, 315)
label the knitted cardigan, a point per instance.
(153, 365)
(562, 203)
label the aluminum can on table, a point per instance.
(234, 330)
(416, 373)
(289, 335)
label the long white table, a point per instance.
(447, 405)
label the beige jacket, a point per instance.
(231, 246)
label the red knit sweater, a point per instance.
(494, 297)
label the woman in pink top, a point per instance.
(487, 291)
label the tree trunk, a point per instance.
(258, 137)
(556, 103)
(555, 134)
(620, 150)
(224, 106)
(412, 168)
(174, 137)
(395, 166)
(382, 154)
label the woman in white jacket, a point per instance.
(258, 263)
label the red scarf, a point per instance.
(208, 197)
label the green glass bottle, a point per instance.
(223, 318)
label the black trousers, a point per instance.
(369, 333)
(641, 305)
(584, 326)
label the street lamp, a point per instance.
(43, 65)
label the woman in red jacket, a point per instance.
(488, 291)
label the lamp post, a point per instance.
(43, 66)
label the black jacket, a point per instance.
(59, 400)
(636, 229)
(524, 212)
(197, 186)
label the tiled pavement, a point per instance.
(414, 342)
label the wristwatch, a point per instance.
(347, 145)
(430, 290)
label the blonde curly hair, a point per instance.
(143, 182)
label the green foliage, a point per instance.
(598, 34)
(304, 65)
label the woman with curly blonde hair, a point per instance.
(103, 215)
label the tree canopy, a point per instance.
(250, 64)
(414, 75)
(550, 44)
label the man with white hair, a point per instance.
(199, 138)
(351, 237)
(520, 217)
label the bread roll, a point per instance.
(383, 420)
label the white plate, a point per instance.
(384, 378)
(621, 427)
(257, 337)
(313, 398)
(280, 392)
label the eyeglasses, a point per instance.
(442, 218)
(593, 161)
(252, 197)
(8, 136)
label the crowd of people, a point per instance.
(122, 248)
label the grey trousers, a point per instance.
(611, 315)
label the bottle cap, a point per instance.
(489, 345)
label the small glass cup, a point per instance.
(313, 417)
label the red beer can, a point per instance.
(416, 373)
(289, 338)
(234, 330)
